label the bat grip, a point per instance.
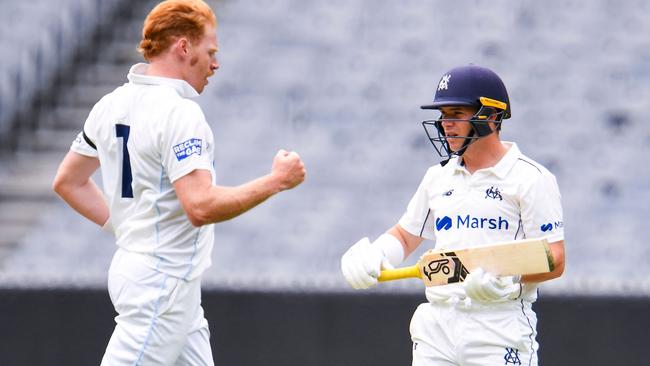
(399, 273)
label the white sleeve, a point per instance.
(85, 143)
(417, 219)
(82, 145)
(541, 209)
(185, 143)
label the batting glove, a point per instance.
(362, 263)
(485, 287)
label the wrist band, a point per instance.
(392, 248)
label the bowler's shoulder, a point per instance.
(174, 106)
(189, 104)
(187, 109)
(111, 97)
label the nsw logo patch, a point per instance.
(188, 148)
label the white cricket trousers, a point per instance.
(160, 319)
(476, 335)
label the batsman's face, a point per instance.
(203, 59)
(455, 122)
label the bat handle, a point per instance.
(399, 273)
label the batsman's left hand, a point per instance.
(362, 264)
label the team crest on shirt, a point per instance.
(188, 148)
(512, 356)
(493, 193)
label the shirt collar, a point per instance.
(507, 161)
(137, 75)
(502, 167)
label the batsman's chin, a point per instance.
(455, 146)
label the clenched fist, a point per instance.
(288, 169)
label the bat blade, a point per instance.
(441, 267)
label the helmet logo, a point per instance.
(444, 82)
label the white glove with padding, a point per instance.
(363, 262)
(482, 286)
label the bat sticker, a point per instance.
(447, 264)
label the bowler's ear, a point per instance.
(182, 46)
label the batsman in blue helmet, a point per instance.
(485, 191)
(467, 86)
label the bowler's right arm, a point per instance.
(205, 203)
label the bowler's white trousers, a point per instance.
(160, 319)
(447, 333)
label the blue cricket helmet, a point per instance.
(471, 85)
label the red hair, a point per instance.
(172, 19)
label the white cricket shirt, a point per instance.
(515, 199)
(147, 134)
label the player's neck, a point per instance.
(484, 153)
(164, 68)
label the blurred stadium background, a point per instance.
(340, 82)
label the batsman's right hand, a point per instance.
(362, 263)
(288, 169)
(482, 286)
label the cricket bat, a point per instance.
(441, 267)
